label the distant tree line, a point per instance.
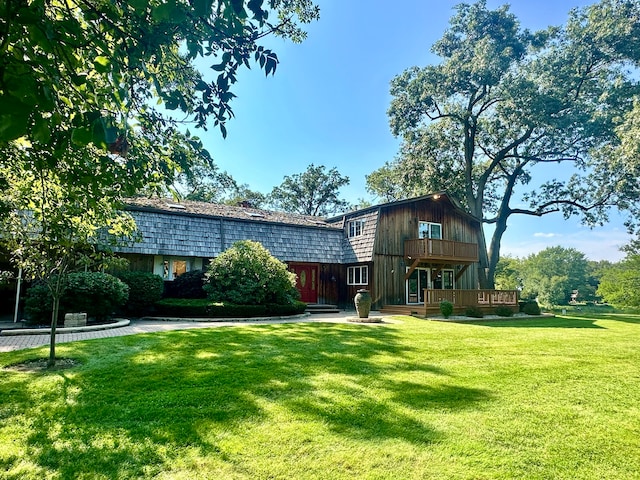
(561, 276)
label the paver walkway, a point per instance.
(18, 342)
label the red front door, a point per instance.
(306, 281)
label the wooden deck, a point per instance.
(486, 300)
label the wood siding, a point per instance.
(397, 224)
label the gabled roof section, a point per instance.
(215, 210)
(442, 196)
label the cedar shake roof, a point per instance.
(187, 207)
(199, 229)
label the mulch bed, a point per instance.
(40, 365)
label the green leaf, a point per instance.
(238, 8)
(139, 5)
(101, 64)
(41, 131)
(202, 8)
(163, 12)
(13, 126)
(82, 135)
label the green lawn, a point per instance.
(527, 399)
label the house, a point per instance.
(409, 254)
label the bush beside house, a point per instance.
(205, 308)
(247, 274)
(244, 281)
(145, 289)
(187, 285)
(97, 294)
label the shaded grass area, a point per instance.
(540, 398)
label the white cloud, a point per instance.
(546, 235)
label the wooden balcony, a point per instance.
(432, 250)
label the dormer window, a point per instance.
(356, 228)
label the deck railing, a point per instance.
(468, 298)
(430, 248)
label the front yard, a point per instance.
(536, 399)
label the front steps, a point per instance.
(317, 308)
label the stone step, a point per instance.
(318, 308)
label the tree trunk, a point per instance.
(493, 255)
(485, 280)
(54, 323)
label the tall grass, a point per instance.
(536, 399)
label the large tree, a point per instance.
(507, 109)
(95, 96)
(554, 274)
(313, 192)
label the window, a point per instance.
(174, 267)
(356, 228)
(358, 275)
(430, 230)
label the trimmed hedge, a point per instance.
(99, 294)
(187, 285)
(145, 289)
(504, 312)
(204, 308)
(531, 308)
(38, 305)
(474, 312)
(247, 272)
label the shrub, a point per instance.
(247, 273)
(205, 308)
(531, 308)
(295, 308)
(96, 293)
(145, 289)
(38, 304)
(181, 307)
(474, 312)
(504, 312)
(446, 308)
(188, 285)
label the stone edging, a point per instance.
(47, 331)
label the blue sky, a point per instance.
(327, 105)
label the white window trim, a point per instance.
(355, 227)
(429, 225)
(363, 274)
(167, 272)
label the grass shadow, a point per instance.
(136, 401)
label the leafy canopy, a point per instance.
(313, 192)
(518, 122)
(620, 282)
(553, 274)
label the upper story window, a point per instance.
(356, 228)
(430, 230)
